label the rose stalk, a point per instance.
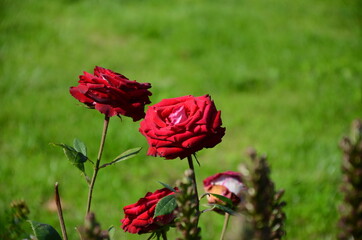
(194, 184)
(96, 167)
(224, 227)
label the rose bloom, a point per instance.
(112, 93)
(139, 216)
(179, 127)
(228, 184)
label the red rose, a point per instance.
(179, 127)
(139, 216)
(228, 184)
(112, 93)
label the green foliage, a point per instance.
(226, 200)
(44, 231)
(80, 146)
(124, 156)
(77, 158)
(167, 186)
(111, 232)
(224, 209)
(165, 206)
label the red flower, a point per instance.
(228, 184)
(179, 127)
(139, 216)
(112, 93)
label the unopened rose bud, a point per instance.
(227, 184)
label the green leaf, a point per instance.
(79, 146)
(75, 157)
(123, 156)
(127, 154)
(167, 186)
(223, 198)
(225, 209)
(165, 206)
(44, 231)
(111, 232)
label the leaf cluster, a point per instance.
(77, 155)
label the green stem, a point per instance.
(60, 212)
(191, 165)
(226, 221)
(164, 235)
(96, 167)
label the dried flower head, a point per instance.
(263, 203)
(187, 213)
(350, 222)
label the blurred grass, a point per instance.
(286, 75)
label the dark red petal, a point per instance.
(76, 93)
(217, 121)
(105, 109)
(193, 141)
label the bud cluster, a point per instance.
(350, 221)
(263, 205)
(187, 215)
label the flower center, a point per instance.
(177, 116)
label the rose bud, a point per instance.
(139, 216)
(112, 93)
(179, 127)
(228, 184)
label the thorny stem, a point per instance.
(191, 165)
(96, 167)
(226, 221)
(60, 212)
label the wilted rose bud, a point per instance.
(228, 184)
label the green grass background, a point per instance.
(285, 74)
